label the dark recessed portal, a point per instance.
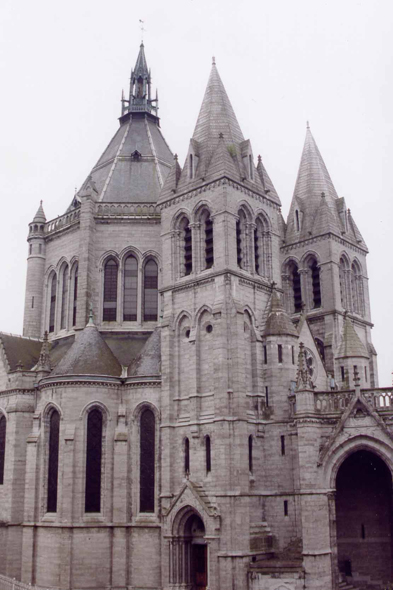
(364, 516)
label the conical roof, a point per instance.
(216, 115)
(141, 68)
(89, 355)
(313, 179)
(40, 217)
(350, 345)
(278, 322)
(148, 361)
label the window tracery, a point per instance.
(110, 290)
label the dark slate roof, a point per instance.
(278, 322)
(120, 177)
(125, 346)
(350, 345)
(89, 355)
(148, 361)
(321, 210)
(19, 349)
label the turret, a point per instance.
(35, 275)
(280, 339)
(140, 99)
(351, 359)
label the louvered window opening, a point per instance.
(208, 454)
(250, 457)
(52, 310)
(147, 461)
(187, 249)
(93, 462)
(110, 291)
(53, 461)
(297, 290)
(316, 284)
(130, 303)
(186, 456)
(209, 250)
(64, 298)
(150, 286)
(239, 243)
(75, 296)
(3, 428)
(256, 250)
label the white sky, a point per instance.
(63, 65)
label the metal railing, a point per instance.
(7, 583)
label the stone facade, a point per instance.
(228, 357)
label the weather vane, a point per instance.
(142, 23)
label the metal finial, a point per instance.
(142, 22)
(41, 202)
(213, 61)
(259, 158)
(308, 124)
(175, 157)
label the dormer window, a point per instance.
(297, 219)
(136, 155)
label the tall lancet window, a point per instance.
(130, 302)
(64, 298)
(93, 461)
(315, 283)
(187, 236)
(3, 428)
(75, 295)
(52, 309)
(295, 288)
(147, 461)
(208, 231)
(150, 288)
(53, 461)
(241, 245)
(110, 291)
(262, 248)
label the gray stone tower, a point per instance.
(35, 275)
(323, 257)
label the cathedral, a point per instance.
(194, 402)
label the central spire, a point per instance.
(140, 99)
(216, 115)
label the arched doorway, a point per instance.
(188, 552)
(195, 532)
(364, 517)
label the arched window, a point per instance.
(208, 454)
(343, 273)
(75, 295)
(250, 466)
(53, 460)
(93, 461)
(187, 238)
(130, 300)
(208, 230)
(52, 309)
(64, 299)
(147, 461)
(3, 427)
(262, 248)
(150, 288)
(241, 245)
(315, 283)
(296, 289)
(110, 291)
(357, 289)
(186, 456)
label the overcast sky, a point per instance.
(63, 66)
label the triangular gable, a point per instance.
(358, 404)
(305, 336)
(195, 496)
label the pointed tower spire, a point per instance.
(351, 346)
(40, 217)
(303, 377)
(278, 322)
(140, 87)
(313, 179)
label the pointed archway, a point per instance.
(189, 551)
(364, 516)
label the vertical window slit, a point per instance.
(93, 462)
(53, 461)
(208, 454)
